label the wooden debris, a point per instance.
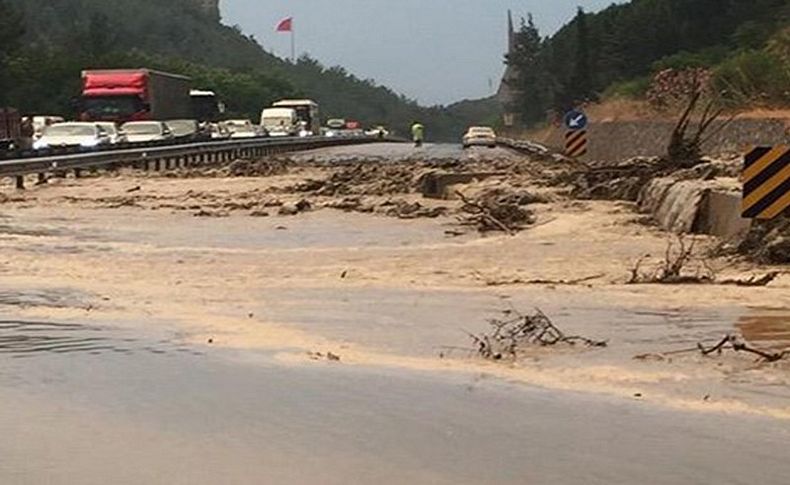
(493, 215)
(729, 342)
(519, 281)
(516, 331)
(736, 344)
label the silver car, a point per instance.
(480, 136)
(147, 131)
(184, 129)
(117, 135)
(242, 129)
(84, 135)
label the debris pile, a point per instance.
(266, 167)
(729, 342)
(410, 210)
(498, 210)
(620, 181)
(682, 266)
(674, 268)
(510, 335)
(295, 208)
(363, 179)
(768, 241)
(736, 344)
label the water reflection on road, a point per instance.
(96, 405)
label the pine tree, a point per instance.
(11, 31)
(581, 86)
(533, 84)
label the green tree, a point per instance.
(533, 84)
(11, 31)
(581, 86)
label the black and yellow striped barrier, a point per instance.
(766, 182)
(576, 143)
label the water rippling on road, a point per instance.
(29, 338)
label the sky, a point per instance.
(434, 51)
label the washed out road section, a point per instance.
(160, 328)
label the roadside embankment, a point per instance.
(703, 199)
(622, 140)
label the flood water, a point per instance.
(131, 403)
(96, 405)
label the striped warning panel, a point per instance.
(576, 143)
(766, 182)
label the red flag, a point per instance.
(286, 25)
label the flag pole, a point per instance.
(293, 43)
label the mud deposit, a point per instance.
(142, 344)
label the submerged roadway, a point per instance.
(142, 344)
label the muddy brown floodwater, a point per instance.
(142, 344)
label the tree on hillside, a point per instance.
(11, 31)
(581, 86)
(533, 83)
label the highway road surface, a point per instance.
(184, 328)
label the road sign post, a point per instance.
(766, 182)
(576, 120)
(576, 143)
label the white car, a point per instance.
(42, 121)
(242, 129)
(378, 131)
(480, 136)
(219, 131)
(117, 135)
(84, 135)
(147, 131)
(184, 129)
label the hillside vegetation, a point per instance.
(44, 45)
(740, 47)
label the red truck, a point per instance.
(123, 95)
(10, 128)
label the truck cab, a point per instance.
(306, 112)
(123, 95)
(280, 121)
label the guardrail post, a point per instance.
(20, 182)
(42, 178)
(77, 173)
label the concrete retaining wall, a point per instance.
(620, 140)
(696, 207)
(720, 215)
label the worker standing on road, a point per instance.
(26, 131)
(418, 133)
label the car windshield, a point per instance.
(239, 126)
(276, 122)
(70, 130)
(142, 128)
(182, 127)
(481, 131)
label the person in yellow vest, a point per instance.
(418, 133)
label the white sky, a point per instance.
(436, 51)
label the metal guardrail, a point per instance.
(168, 156)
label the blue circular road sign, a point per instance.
(576, 120)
